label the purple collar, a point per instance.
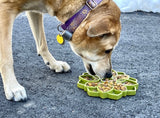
(72, 24)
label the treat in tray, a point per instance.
(120, 87)
(105, 87)
(93, 84)
(122, 77)
(88, 78)
(127, 83)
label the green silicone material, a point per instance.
(94, 79)
(93, 92)
(131, 86)
(121, 73)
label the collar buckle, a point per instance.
(92, 4)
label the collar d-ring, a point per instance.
(59, 28)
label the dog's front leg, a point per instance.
(36, 24)
(13, 90)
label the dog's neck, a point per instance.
(64, 9)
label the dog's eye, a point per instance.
(102, 35)
(108, 51)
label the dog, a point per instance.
(93, 40)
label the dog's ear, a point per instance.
(101, 27)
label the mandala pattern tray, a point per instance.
(120, 85)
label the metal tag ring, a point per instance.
(58, 28)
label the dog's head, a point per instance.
(95, 39)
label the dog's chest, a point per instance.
(35, 5)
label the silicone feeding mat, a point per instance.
(120, 85)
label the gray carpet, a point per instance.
(54, 95)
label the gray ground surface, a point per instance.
(54, 95)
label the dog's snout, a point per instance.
(108, 75)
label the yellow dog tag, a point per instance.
(60, 39)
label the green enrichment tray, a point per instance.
(120, 85)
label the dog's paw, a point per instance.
(59, 66)
(15, 92)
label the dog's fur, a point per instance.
(93, 40)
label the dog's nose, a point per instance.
(108, 75)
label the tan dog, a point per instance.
(93, 40)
